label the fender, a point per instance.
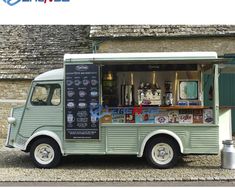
(45, 133)
(161, 131)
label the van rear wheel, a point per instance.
(162, 152)
(45, 153)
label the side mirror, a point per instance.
(11, 120)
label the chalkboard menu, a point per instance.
(81, 95)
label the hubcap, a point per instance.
(162, 153)
(44, 154)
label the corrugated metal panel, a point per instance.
(36, 117)
(144, 131)
(122, 139)
(204, 139)
(86, 146)
(127, 140)
(195, 139)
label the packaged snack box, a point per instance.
(118, 118)
(198, 116)
(173, 116)
(208, 116)
(106, 119)
(185, 116)
(144, 118)
(161, 117)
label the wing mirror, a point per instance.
(11, 120)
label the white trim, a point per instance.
(161, 131)
(56, 74)
(141, 56)
(9, 130)
(45, 133)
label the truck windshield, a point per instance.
(46, 95)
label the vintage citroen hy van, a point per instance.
(144, 104)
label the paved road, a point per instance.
(129, 184)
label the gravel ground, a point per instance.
(15, 166)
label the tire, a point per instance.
(162, 152)
(45, 153)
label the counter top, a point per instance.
(175, 107)
(183, 107)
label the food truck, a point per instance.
(145, 104)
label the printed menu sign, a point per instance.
(81, 96)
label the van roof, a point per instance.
(56, 74)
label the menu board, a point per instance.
(81, 96)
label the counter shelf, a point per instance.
(155, 115)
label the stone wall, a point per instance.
(133, 31)
(26, 51)
(14, 89)
(29, 50)
(221, 45)
(13, 93)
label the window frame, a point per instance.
(49, 96)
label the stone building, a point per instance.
(26, 51)
(145, 38)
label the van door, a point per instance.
(227, 89)
(44, 109)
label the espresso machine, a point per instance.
(149, 94)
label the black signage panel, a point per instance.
(150, 67)
(81, 96)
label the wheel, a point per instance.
(45, 153)
(162, 152)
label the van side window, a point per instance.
(55, 100)
(46, 95)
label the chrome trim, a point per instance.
(8, 136)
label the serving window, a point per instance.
(156, 94)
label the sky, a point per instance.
(95, 12)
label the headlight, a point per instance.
(11, 120)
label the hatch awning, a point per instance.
(149, 57)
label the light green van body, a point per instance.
(33, 122)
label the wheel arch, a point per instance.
(158, 133)
(43, 134)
